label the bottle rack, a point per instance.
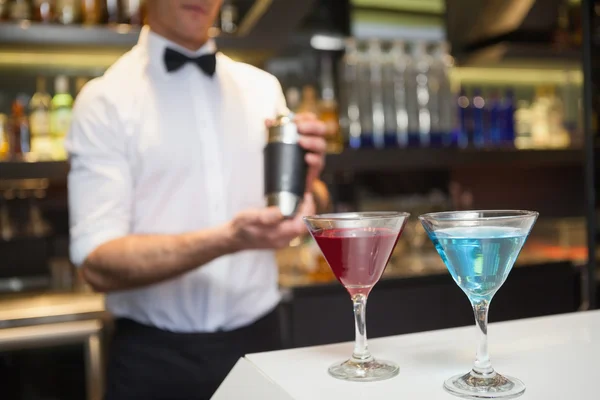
(364, 160)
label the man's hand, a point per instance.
(313, 132)
(266, 228)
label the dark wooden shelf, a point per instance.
(380, 160)
(370, 160)
(255, 34)
(68, 35)
(55, 170)
(100, 36)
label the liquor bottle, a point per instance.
(93, 12)
(131, 11)
(464, 134)
(113, 12)
(3, 136)
(18, 132)
(494, 120)
(558, 136)
(412, 104)
(435, 77)
(478, 115)
(43, 11)
(507, 118)
(395, 68)
(422, 62)
(523, 115)
(309, 100)
(365, 105)
(387, 95)
(540, 129)
(229, 16)
(68, 11)
(60, 117)
(328, 106)
(20, 10)
(39, 121)
(36, 226)
(441, 65)
(349, 88)
(419, 96)
(4, 10)
(375, 55)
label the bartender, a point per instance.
(167, 209)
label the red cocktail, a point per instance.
(359, 256)
(357, 247)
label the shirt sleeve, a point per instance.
(100, 183)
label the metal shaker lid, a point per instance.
(284, 130)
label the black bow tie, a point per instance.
(175, 60)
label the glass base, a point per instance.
(366, 371)
(494, 386)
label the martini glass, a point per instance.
(480, 248)
(357, 247)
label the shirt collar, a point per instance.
(155, 46)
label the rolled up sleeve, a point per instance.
(99, 183)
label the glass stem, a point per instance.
(483, 365)
(361, 350)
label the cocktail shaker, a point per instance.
(285, 166)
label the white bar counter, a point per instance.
(557, 357)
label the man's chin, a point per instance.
(194, 23)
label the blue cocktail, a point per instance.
(479, 259)
(480, 248)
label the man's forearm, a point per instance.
(140, 260)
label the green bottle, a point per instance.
(60, 119)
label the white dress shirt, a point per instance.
(154, 152)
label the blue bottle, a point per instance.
(478, 113)
(507, 112)
(495, 126)
(463, 130)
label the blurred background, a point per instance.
(435, 105)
